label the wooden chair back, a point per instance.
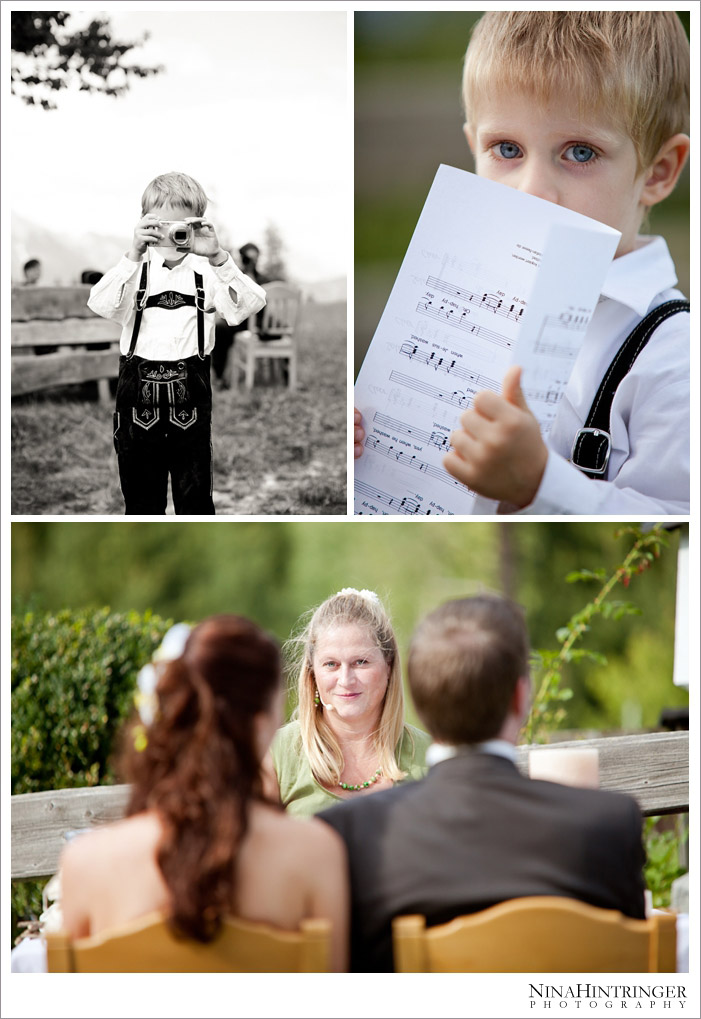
(270, 337)
(148, 945)
(539, 934)
(281, 311)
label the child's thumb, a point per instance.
(511, 387)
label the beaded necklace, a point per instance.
(361, 785)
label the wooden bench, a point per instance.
(653, 768)
(59, 317)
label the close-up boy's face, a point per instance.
(589, 166)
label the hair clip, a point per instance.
(368, 595)
(145, 697)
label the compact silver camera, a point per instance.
(179, 233)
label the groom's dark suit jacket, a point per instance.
(476, 832)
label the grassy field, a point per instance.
(274, 451)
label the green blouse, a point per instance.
(302, 795)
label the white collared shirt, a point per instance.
(438, 752)
(170, 334)
(649, 464)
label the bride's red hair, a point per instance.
(200, 768)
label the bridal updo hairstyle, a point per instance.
(200, 767)
(348, 607)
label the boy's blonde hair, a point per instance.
(174, 189)
(348, 607)
(630, 66)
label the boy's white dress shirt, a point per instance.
(168, 335)
(649, 464)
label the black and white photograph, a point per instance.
(180, 231)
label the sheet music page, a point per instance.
(491, 277)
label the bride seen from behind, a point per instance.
(200, 842)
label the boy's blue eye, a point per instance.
(581, 153)
(508, 150)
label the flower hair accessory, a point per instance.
(368, 595)
(145, 698)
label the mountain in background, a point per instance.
(64, 257)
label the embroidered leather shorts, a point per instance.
(170, 392)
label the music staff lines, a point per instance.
(488, 302)
(408, 506)
(462, 321)
(554, 349)
(455, 399)
(448, 365)
(551, 396)
(409, 459)
(438, 439)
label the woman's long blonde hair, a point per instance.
(348, 607)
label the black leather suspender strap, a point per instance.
(591, 448)
(140, 303)
(169, 299)
(199, 303)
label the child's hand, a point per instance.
(205, 241)
(358, 433)
(147, 231)
(499, 453)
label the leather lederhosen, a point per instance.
(162, 424)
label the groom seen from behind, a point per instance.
(475, 832)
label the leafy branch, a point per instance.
(547, 711)
(47, 57)
(662, 866)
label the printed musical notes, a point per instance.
(447, 365)
(551, 396)
(409, 459)
(496, 303)
(461, 321)
(491, 277)
(435, 438)
(370, 496)
(457, 398)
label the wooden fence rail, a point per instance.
(59, 317)
(653, 768)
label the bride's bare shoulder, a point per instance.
(131, 836)
(308, 836)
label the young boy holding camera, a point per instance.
(164, 293)
(589, 110)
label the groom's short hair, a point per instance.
(465, 659)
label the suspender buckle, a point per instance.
(199, 298)
(591, 450)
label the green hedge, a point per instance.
(73, 681)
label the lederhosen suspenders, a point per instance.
(142, 301)
(591, 448)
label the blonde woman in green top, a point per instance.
(348, 736)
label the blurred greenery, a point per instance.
(408, 119)
(73, 681)
(275, 571)
(663, 849)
